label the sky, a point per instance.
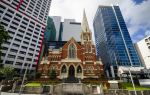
(135, 12)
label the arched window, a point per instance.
(89, 48)
(79, 69)
(63, 69)
(72, 51)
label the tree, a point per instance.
(52, 74)
(38, 75)
(7, 72)
(1, 74)
(4, 36)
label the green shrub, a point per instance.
(52, 74)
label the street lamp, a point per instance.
(1, 86)
(126, 48)
(117, 66)
(132, 81)
(24, 76)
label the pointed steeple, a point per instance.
(85, 26)
(86, 34)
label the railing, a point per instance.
(125, 92)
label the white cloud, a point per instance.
(147, 32)
(136, 16)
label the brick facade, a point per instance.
(73, 58)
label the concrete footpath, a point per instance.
(6, 93)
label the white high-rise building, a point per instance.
(25, 20)
(143, 49)
(67, 29)
(71, 29)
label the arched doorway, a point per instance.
(71, 71)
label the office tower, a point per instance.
(57, 23)
(67, 29)
(113, 42)
(143, 49)
(71, 29)
(49, 35)
(50, 32)
(25, 20)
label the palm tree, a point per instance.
(4, 36)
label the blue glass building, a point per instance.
(113, 42)
(50, 32)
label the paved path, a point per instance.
(5, 93)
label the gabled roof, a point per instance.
(70, 41)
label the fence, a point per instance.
(125, 92)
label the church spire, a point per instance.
(86, 35)
(85, 26)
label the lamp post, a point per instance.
(117, 65)
(132, 81)
(1, 86)
(24, 76)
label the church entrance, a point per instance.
(71, 71)
(71, 76)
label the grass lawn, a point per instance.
(33, 84)
(129, 86)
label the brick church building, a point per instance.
(74, 59)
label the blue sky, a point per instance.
(137, 18)
(138, 1)
(135, 12)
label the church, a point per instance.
(74, 59)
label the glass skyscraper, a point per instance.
(113, 42)
(50, 33)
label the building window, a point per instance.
(79, 69)
(21, 58)
(86, 38)
(146, 40)
(64, 69)
(18, 63)
(11, 56)
(88, 48)
(9, 62)
(72, 51)
(28, 59)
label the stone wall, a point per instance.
(5, 93)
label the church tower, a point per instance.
(74, 60)
(86, 35)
